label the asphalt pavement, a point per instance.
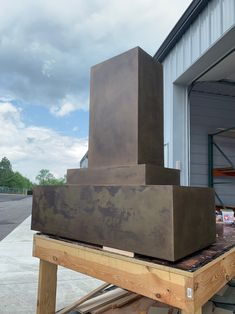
(14, 208)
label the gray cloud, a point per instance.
(48, 47)
(32, 148)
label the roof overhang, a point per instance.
(189, 16)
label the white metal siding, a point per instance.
(195, 42)
(210, 25)
(204, 30)
(208, 113)
(215, 20)
(228, 11)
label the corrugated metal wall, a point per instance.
(211, 24)
(208, 113)
(215, 20)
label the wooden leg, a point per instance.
(47, 288)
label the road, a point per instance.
(13, 210)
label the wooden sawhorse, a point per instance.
(185, 290)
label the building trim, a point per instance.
(189, 16)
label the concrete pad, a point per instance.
(19, 275)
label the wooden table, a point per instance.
(186, 285)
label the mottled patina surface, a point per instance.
(124, 175)
(224, 242)
(126, 111)
(142, 219)
(126, 199)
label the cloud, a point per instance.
(32, 148)
(63, 110)
(46, 51)
(48, 47)
(68, 105)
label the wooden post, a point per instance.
(47, 288)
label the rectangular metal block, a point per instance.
(126, 111)
(124, 175)
(166, 222)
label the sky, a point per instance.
(46, 51)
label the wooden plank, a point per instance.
(42, 240)
(116, 251)
(213, 276)
(129, 299)
(47, 288)
(140, 305)
(103, 299)
(69, 308)
(215, 261)
(123, 302)
(154, 281)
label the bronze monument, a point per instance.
(126, 199)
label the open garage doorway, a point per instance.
(212, 131)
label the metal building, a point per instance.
(198, 58)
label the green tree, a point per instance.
(19, 181)
(12, 179)
(5, 164)
(6, 172)
(45, 177)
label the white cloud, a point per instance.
(9, 116)
(68, 105)
(48, 47)
(63, 110)
(46, 51)
(32, 148)
(47, 68)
